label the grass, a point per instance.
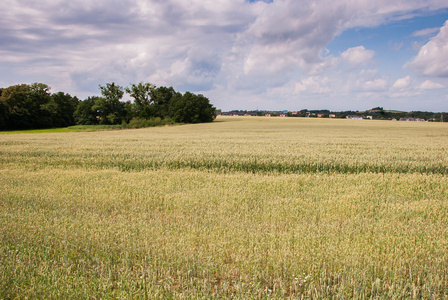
(134, 123)
(241, 208)
(75, 128)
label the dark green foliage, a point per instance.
(109, 108)
(191, 108)
(21, 107)
(8, 106)
(84, 114)
(26, 106)
(142, 100)
(161, 98)
(32, 106)
(164, 102)
(3, 113)
(64, 107)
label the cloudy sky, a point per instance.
(280, 54)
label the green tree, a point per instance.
(191, 108)
(161, 97)
(141, 93)
(176, 108)
(64, 108)
(3, 112)
(109, 107)
(14, 101)
(84, 113)
(38, 99)
(130, 112)
(26, 106)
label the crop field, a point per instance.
(242, 208)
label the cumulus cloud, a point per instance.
(432, 59)
(229, 49)
(196, 71)
(430, 85)
(357, 56)
(379, 84)
(300, 31)
(367, 80)
(313, 85)
(402, 83)
(126, 39)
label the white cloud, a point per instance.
(430, 85)
(228, 49)
(402, 83)
(313, 85)
(432, 59)
(365, 81)
(379, 84)
(357, 56)
(425, 32)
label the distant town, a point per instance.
(377, 113)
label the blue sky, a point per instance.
(391, 41)
(280, 54)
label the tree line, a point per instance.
(377, 113)
(29, 106)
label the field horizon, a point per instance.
(243, 207)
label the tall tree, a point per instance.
(161, 97)
(26, 106)
(85, 114)
(62, 107)
(142, 99)
(191, 108)
(13, 99)
(38, 100)
(109, 107)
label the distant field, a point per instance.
(244, 207)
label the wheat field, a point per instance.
(241, 208)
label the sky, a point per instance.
(246, 55)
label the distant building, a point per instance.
(332, 115)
